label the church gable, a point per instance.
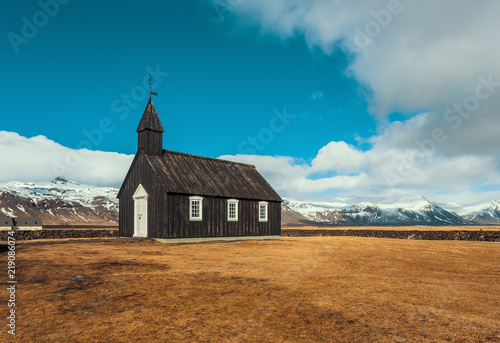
(140, 192)
(140, 172)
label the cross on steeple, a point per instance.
(150, 92)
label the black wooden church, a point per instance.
(168, 194)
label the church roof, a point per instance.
(150, 119)
(181, 173)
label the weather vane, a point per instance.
(150, 92)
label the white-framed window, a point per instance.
(263, 211)
(232, 210)
(195, 208)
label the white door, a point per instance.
(140, 212)
(141, 217)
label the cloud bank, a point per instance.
(41, 159)
(388, 169)
(401, 161)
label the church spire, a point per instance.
(150, 119)
(150, 131)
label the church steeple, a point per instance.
(150, 131)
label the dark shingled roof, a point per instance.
(150, 119)
(197, 175)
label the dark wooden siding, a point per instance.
(141, 173)
(151, 142)
(215, 223)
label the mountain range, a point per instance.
(64, 202)
(60, 202)
(408, 210)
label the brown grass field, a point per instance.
(319, 289)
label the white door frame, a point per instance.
(140, 212)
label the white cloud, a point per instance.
(393, 166)
(40, 159)
(339, 157)
(411, 55)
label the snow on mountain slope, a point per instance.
(410, 210)
(290, 216)
(413, 203)
(483, 212)
(60, 202)
(60, 187)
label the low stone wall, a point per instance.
(481, 235)
(52, 234)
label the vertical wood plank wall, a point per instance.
(142, 173)
(151, 142)
(215, 223)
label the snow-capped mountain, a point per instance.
(290, 216)
(411, 210)
(483, 212)
(60, 202)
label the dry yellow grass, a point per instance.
(319, 289)
(397, 228)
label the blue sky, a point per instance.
(372, 97)
(222, 87)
